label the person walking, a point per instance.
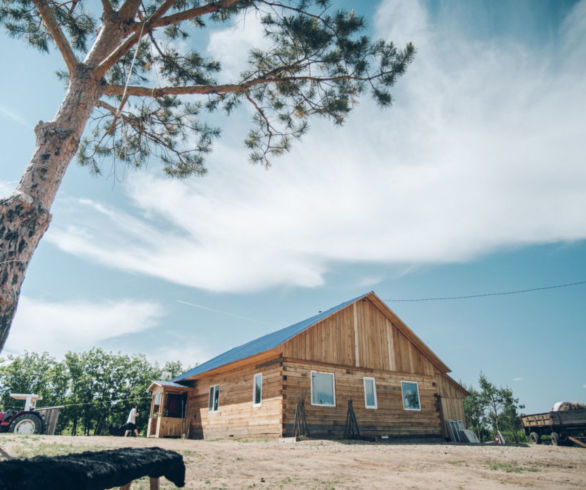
(131, 422)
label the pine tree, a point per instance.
(146, 99)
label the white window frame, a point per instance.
(418, 396)
(333, 390)
(212, 398)
(254, 404)
(365, 379)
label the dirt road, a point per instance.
(328, 464)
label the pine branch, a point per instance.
(128, 9)
(195, 12)
(113, 58)
(108, 10)
(53, 26)
(226, 88)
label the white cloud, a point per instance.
(483, 149)
(59, 327)
(231, 46)
(519, 378)
(6, 188)
(188, 355)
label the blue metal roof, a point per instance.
(169, 384)
(262, 344)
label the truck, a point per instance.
(563, 426)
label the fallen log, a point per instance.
(92, 470)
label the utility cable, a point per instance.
(486, 295)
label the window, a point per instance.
(257, 390)
(214, 401)
(322, 389)
(369, 393)
(410, 392)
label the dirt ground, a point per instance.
(337, 464)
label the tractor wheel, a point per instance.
(534, 437)
(27, 423)
(555, 438)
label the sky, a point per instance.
(474, 181)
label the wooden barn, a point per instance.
(302, 377)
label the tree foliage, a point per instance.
(318, 63)
(491, 409)
(150, 92)
(98, 388)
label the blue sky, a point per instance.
(474, 181)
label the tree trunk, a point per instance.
(25, 216)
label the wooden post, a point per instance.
(154, 483)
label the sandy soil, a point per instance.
(333, 464)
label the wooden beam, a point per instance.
(356, 339)
(391, 346)
(577, 441)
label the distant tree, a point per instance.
(97, 388)
(492, 409)
(171, 369)
(103, 387)
(32, 373)
(474, 413)
(146, 97)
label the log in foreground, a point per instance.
(92, 470)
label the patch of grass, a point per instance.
(458, 463)
(325, 484)
(509, 467)
(52, 449)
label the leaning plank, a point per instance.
(577, 441)
(92, 470)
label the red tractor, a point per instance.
(27, 421)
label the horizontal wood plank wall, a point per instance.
(236, 416)
(388, 419)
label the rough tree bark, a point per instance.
(25, 215)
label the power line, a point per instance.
(486, 295)
(93, 402)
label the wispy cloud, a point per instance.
(483, 149)
(15, 117)
(57, 327)
(231, 46)
(6, 188)
(519, 378)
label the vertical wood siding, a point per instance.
(452, 398)
(375, 344)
